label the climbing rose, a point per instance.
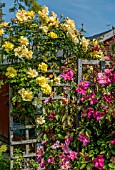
(112, 142)
(83, 138)
(99, 162)
(68, 75)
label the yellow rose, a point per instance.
(19, 51)
(28, 54)
(23, 41)
(43, 67)
(1, 32)
(3, 148)
(30, 14)
(4, 24)
(40, 120)
(22, 15)
(26, 95)
(52, 35)
(8, 46)
(32, 73)
(46, 89)
(11, 72)
(41, 80)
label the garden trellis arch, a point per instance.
(26, 127)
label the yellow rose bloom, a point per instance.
(1, 32)
(11, 72)
(45, 10)
(23, 41)
(8, 46)
(46, 89)
(3, 148)
(32, 73)
(95, 42)
(41, 80)
(52, 35)
(28, 54)
(26, 95)
(40, 120)
(30, 14)
(44, 29)
(22, 15)
(19, 51)
(43, 67)
(85, 42)
(4, 24)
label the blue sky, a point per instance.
(95, 14)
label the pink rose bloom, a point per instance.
(99, 162)
(68, 140)
(68, 75)
(108, 71)
(85, 84)
(92, 97)
(65, 165)
(90, 112)
(56, 145)
(65, 148)
(83, 138)
(113, 78)
(107, 58)
(47, 100)
(43, 164)
(98, 115)
(40, 152)
(81, 90)
(72, 155)
(112, 142)
(103, 79)
(50, 160)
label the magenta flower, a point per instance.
(72, 155)
(40, 152)
(96, 48)
(66, 165)
(50, 159)
(83, 138)
(108, 71)
(85, 84)
(113, 78)
(112, 142)
(92, 97)
(68, 140)
(65, 148)
(63, 158)
(108, 97)
(99, 162)
(98, 115)
(68, 75)
(52, 115)
(47, 100)
(56, 145)
(103, 79)
(90, 112)
(107, 57)
(43, 164)
(81, 90)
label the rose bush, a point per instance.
(43, 52)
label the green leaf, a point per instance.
(88, 133)
(57, 117)
(88, 167)
(83, 166)
(111, 165)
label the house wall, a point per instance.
(4, 113)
